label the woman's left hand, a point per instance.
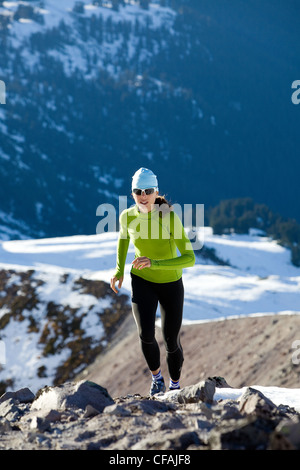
(141, 262)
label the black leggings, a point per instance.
(145, 298)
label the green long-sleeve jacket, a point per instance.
(156, 236)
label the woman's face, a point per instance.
(145, 202)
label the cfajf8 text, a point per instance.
(157, 459)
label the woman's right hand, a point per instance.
(113, 281)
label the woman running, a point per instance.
(156, 274)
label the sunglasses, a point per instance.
(147, 191)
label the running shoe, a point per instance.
(157, 386)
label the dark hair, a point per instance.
(166, 205)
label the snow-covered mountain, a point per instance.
(198, 91)
(63, 64)
(57, 309)
(82, 27)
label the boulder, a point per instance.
(24, 395)
(255, 402)
(10, 410)
(117, 410)
(286, 436)
(40, 424)
(73, 395)
(219, 382)
(202, 391)
(249, 433)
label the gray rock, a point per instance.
(286, 436)
(90, 411)
(53, 416)
(39, 420)
(117, 410)
(83, 416)
(150, 407)
(171, 423)
(219, 382)
(202, 391)
(249, 433)
(10, 410)
(173, 440)
(73, 395)
(5, 426)
(255, 402)
(40, 424)
(24, 395)
(230, 410)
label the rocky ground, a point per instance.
(83, 416)
(110, 408)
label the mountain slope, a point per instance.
(196, 90)
(52, 325)
(247, 351)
